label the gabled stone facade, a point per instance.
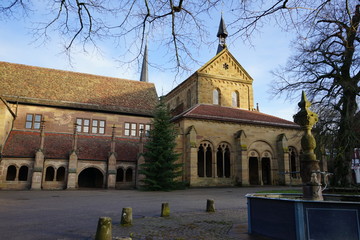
(223, 139)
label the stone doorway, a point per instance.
(253, 171)
(91, 178)
(266, 171)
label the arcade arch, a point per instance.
(91, 177)
(260, 163)
(204, 161)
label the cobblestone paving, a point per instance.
(183, 226)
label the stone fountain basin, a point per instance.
(288, 216)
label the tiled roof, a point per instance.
(76, 90)
(228, 114)
(58, 146)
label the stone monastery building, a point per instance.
(68, 130)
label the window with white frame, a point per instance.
(141, 129)
(147, 129)
(130, 129)
(127, 129)
(84, 125)
(144, 129)
(98, 126)
(133, 129)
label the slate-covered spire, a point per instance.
(222, 34)
(144, 77)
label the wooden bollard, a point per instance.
(104, 229)
(210, 205)
(126, 216)
(165, 210)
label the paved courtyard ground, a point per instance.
(74, 214)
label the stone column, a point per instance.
(111, 164)
(309, 165)
(283, 159)
(73, 160)
(192, 155)
(242, 162)
(38, 170)
(140, 161)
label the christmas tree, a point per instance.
(161, 169)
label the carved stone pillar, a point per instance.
(73, 160)
(111, 164)
(242, 161)
(37, 176)
(191, 155)
(283, 159)
(308, 163)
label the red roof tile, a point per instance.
(228, 114)
(77, 90)
(58, 146)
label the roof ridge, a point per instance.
(68, 71)
(234, 114)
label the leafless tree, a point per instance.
(177, 25)
(326, 63)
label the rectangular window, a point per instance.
(133, 129)
(141, 129)
(127, 129)
(101, 127)
(147, 129)
(86, 125)
(33, 121)
(79, 124)
(130, 129)
(82, 125)
(94, 126)
(97, 126)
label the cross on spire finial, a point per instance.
(222, 34)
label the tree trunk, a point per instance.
(346, 138)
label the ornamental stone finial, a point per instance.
(309, 166)
(305, 117)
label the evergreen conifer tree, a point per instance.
(160, 167)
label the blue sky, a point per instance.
(269, 49)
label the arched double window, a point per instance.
(216, 97)
(293, 158)
(223, 161)
(205, 160)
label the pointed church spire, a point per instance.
(144, 77)
(222, 34)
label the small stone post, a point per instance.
(165, 210)
(210, 205)
(126, 216)
(104, 229)
(309, 165)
